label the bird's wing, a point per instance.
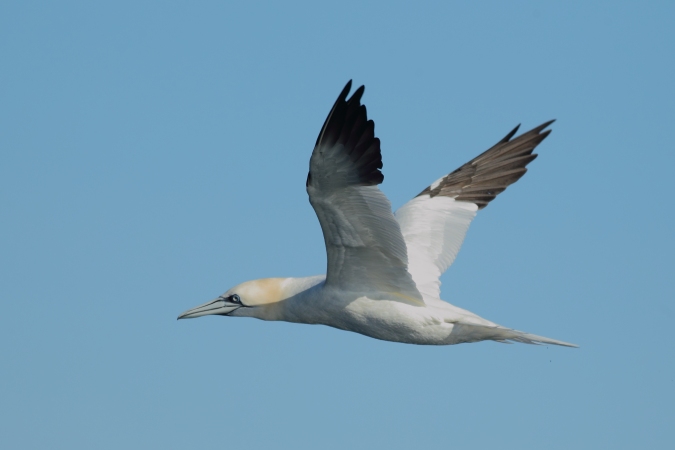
(366, 251)
(435, 222)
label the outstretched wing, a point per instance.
(366, 251)
(435, 222)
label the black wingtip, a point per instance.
(341, 98)
(508, 137)
(356, 96)
(345, 91)
(536, 130)
(544, 125)
(347, 124)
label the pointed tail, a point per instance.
(476, 332)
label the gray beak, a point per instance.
(218, 306)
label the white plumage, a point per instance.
(433, 229)
(383, 274)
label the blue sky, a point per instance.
(154, 154)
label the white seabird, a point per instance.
(383, 275)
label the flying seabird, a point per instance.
(383, 275)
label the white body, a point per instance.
(380, 318)
(309, 301)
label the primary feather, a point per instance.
(435, 222)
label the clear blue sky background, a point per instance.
(153, 154)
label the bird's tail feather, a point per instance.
(527, 338)
(506, 335)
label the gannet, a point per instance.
(383, 274)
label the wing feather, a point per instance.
(365, 249)
(435, 222)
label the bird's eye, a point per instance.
(235, 299)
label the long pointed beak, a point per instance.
(218, 306)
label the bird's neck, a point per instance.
(297, 293)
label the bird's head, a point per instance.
(256, 298)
